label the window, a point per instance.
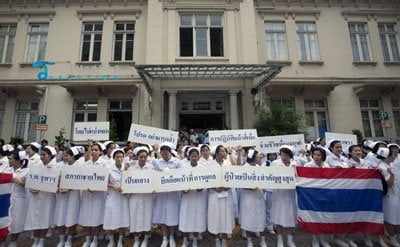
(287, 104)
(360, 42)
(85, 110)
(123, 41)
(7, 35)
(120, 117)
(307, 41)
(201, 35)
(316, 113)
(37, 40)
(370, 117)
(91, 41)
(202, 105)
(275, 33)
(396, 115)
(2, 111)
(389, 42)
(26, 118)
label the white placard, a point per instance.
(96, 131)
(84, 177)
(251, 177)
(187, 178)
(346, 139)
(233, 138)
(138, 181)
(272, 144)
(151, 135)
(43, 178)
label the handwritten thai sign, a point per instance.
(43, 178)
(187, 179)
(233, 138)
(346, 139)
(272, 144)
(138, 181)
(151, 135)
(84, 177)
(251, 177)
(96, 131)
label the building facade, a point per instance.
(199, 64)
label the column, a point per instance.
(233, 108)
(172, 110)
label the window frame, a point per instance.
(315, 109)
(7, 35)
(92, 40)
(40, 34)
(208, 26)
(388, 43)
(358, 40)
(308, 42)
(371, 109)
(28, 120)
(124, 33)
(85, 112)
(2, 114)
(275, 40)
(395, 119)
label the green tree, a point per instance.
(277, 119)
(113, 131)
(60, 138)
(359, 134)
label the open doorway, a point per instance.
(202, 121)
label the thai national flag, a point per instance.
(339, 201)
(6, 187)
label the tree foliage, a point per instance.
(277, 119)
(60, 138)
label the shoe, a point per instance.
(249, 242)
(94, 243)
(258, 235)
(351, 242)
(323, 242)
(279, 243)
(68, 243)
(200, 237)
(35, 242)
(315, 241)
(61, 244)
(223, 242)
(164, 243)
(172, 242)
(119, 244)
(136, 242)
(271, 231)
(185, 242)
(87, 243)
(291, 244)
(367, 241)
(194, 243)
(41, 243)
(110, 244)
(145, 241)
(217, 242)
(49, 233)
(382, 242)
(341, 243)
(263, 243)
(393, 241)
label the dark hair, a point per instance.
(4, 153)
(44, 140)
(269, 155)
(376, 147)
(216, 150)
(204, 146)
(332, 144)
(76, 157)
(15, 155)
(185, 150)
(353, 147)
(109, 144)
(126, 149)
(47, 151)
(248, 160)
(166, 148)
(34, 149)
(98, 145)
(2, 142)
(193, 150)
(321, 150)
(118, 151)
(287, 151)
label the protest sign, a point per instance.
(233, 138)
(84, 177)
(272, 144)
(138, 181)
(150, 135)
(251, 177)
(346, 139)
(187, 179)
(43, 178)
(96, 131)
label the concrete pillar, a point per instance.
(172, 109)
(154, 40)
(8, 122)
(234, 108)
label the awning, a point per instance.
(260, 73)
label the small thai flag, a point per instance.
(6, 187)
(339, 201)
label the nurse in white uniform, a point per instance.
(252, 205)
(166, 204)
(91, 212)
(335, 159)
(220, 215)
(391, 200)
(193, 211)
(5, 151)
(109, 148)
(39, 216)
(116, 214)
(355, 160)
(19, 199)
(68, 202)
(141, 205)
(284, 207)
(32, 152)
(206, 157)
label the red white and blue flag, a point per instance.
(339, 201)
(6, 187)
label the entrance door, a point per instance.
(202, 121)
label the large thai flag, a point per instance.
(6, 187)
(339, 201)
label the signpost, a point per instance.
(41, 123)
(383, 116)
